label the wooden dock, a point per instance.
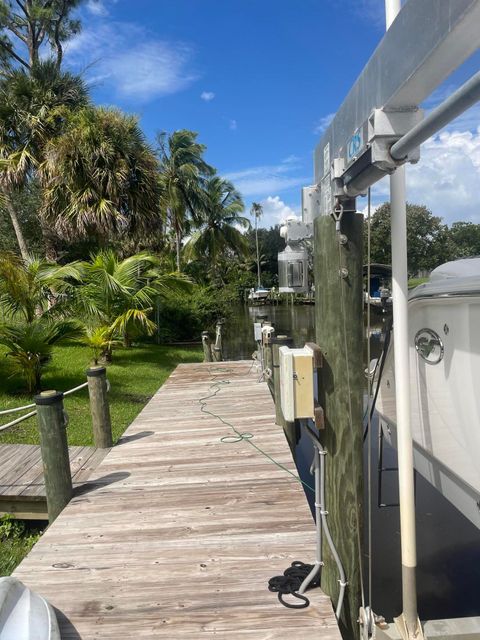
(176, 533)
(22, 489)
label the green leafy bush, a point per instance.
(15, 542)
(185, 316)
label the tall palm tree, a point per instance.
(182, 175)
(120, 294)
(218, 230)
(33, 108)
(257, 210)
(30, 328)
(100, 176)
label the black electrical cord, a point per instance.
(291, 581)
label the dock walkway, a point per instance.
(176, 533)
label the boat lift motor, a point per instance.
(293, 261)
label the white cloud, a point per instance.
(126, 58)
(207, 96)
(232, 125)
(291, 159)
(263, 180)
(323, 123)
(275, 211)
(97, 8)
(447, 177)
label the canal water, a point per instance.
(448, 545)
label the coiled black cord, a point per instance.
(290, 583)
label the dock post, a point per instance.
(99, 407)
(207, 351)
(288, 427)
(268, 336)
(338, 263)
(217, 349)
(54, 448)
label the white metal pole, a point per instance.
(402, 393)
(392, 9)
(402, 382)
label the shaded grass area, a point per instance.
(135, 375)
(16, 540)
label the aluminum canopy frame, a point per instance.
(441, 35)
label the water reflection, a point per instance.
(448, 544)
(296, 321)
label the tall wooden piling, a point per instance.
(99, 407)
(54, 447)
(339, 327)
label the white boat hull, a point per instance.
(24, 615)
(445, 395)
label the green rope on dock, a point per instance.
(239, 436)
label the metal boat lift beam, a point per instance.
(466, 96)
(442, 34)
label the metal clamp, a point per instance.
(337, 214)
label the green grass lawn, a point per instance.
(414, 282)
(135, 375)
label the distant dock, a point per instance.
(175, 534)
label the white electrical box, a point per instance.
(257, 331)
(296, 383)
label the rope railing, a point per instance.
(18, 420)
(4, 412)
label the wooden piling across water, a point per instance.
(339, 327)
(177, 533)
(207, 349)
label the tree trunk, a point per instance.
(178, 242)
(22, 245)
(258, 253)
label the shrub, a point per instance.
(15, 543)
(185, 316)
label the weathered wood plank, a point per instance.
(22, 489)
(176, 533)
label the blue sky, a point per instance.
(258, 80)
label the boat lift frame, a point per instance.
(377, 129)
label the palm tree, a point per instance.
(33, 107)
(30, 345)
(29, 290)
(218, 232)
(100, 176)
(257, 210)
(120, 294)
(182, 175)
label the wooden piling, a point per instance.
(207, 350)
(339, 327)
(99, 407)
(217, 350)
(54, 447)
(268, 357)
